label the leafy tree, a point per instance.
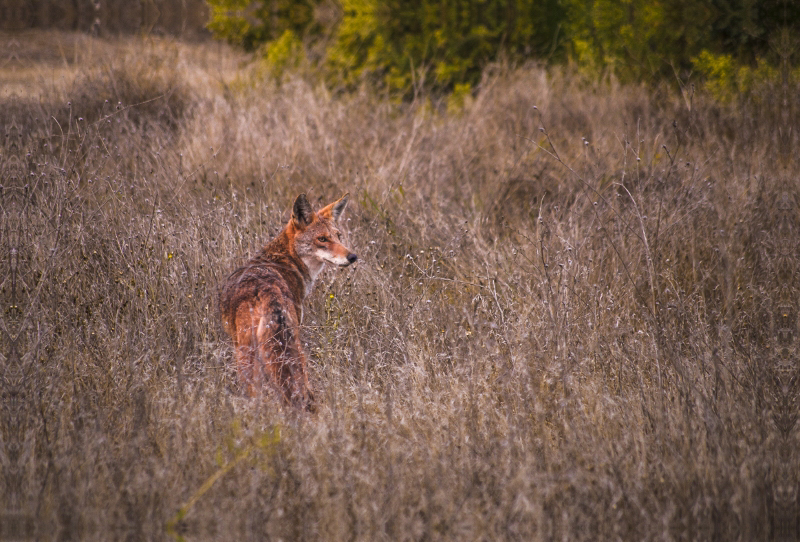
(400, 44)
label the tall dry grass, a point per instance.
(573, 317)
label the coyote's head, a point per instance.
(315, 237)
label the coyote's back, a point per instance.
(261, 303)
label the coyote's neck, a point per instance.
(293, 269)
(314, 267)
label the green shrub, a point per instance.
(285, 52)
(398, 44)
(249, 23)
(725, 78)
(401, 45)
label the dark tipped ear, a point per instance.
(335, 209)
(302, 214)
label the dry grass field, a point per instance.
(574, 316)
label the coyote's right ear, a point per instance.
(302, 214)
(335, 209)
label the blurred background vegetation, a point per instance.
(183, 18)
(404, 45)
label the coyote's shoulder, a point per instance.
(261, 303)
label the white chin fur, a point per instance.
(335, 261)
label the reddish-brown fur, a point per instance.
(261, 303)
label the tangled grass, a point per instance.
(574, 314)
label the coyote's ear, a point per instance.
(302, 214)
(335, 209)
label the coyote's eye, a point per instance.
(322, 239)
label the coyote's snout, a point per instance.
(261, 303)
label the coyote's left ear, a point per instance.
(335, 209)
(302, 214)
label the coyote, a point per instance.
(261, 303)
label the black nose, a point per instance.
(351, 257)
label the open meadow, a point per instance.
(574, 314)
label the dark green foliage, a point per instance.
(656, 38)
(747, 29)
(457, 38)
(638, 38)
(402, 44)
(250, 24)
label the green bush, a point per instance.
(249, 23)
(401, 45)
(637, 38)
(725, 78)
(654, 40)
(397, 43)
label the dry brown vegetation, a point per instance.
(546, 337)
